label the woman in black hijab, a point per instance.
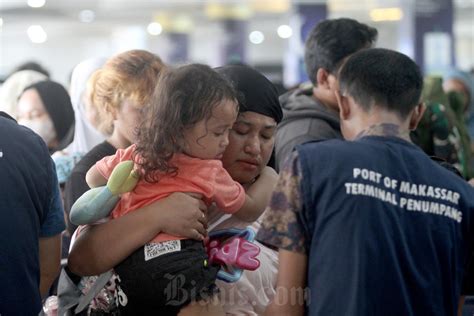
(45, 107)
(258, 101)
(250, 147)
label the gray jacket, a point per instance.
(304, 120)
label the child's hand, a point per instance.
(270, 173)
(268, 177)
(258, 195)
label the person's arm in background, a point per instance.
(50, 261)
(100, 247)
(50, 238)
(258, 195)
(291, 283)
(283, 227)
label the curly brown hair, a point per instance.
(130, 75)
(183, 96)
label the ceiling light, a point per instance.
(36, 3)
(86, 16)
(386, 14)
(154, 28)
(37, 34)
(284, 31)
(256, 37)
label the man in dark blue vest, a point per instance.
(31, 220)
(371, 225)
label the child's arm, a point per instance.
(94, 179)
(258, 195)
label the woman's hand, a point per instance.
(101, 247)
(183, 214)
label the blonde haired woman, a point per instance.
(118, 91)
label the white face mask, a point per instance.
(43, 127)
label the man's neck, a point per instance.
(322, 98)
(385, 129)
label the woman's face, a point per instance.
(250, 146)
(127, 120)
(32, 114)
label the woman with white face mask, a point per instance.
(45, 107)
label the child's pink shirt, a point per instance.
(204, 176)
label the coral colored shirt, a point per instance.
(204, 176)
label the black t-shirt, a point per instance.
(76, 185)
(27, 195)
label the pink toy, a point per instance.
(234, 250)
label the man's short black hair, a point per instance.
(383, 77)
(333, 40)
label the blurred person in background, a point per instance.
(440, 132)
(312, 113)
(13, 87)
(31, 65)
(86, 133)
(117, 91)
(455, 80)
(459, 87)
(45, 107)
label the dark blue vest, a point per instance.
(25, 194)
(388, 230)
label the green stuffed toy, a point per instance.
(97, 203)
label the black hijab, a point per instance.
(255, 92)
(57, 103)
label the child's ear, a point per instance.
(322, 78)
(113, 111)
(343, 104)
(416, 115)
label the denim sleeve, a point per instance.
(54, 219)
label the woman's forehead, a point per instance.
(256, 119)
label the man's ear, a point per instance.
(416, 115)
(322, 78)
(343, 104)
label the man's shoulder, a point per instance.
(18, 140)
(325, 144)
(302, 114)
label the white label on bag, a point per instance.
(153, 250)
